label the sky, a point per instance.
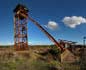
(63, 19)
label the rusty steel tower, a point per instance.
(20, 27)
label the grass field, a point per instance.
(36, 58)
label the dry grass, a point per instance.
(30, 60)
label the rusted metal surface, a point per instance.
(48, 35)
(20, 27)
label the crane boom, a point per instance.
(48, 35)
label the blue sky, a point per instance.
(44, 11)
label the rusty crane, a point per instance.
(21, 14)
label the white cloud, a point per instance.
(30, 43)
(52, 25)
(73, 21)
(6, 43)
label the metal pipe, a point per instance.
(48, 35)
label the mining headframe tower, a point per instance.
(20, 27)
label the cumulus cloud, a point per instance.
(52, 25)
(73, 21)
(30, 43)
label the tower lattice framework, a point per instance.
(20, 27)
